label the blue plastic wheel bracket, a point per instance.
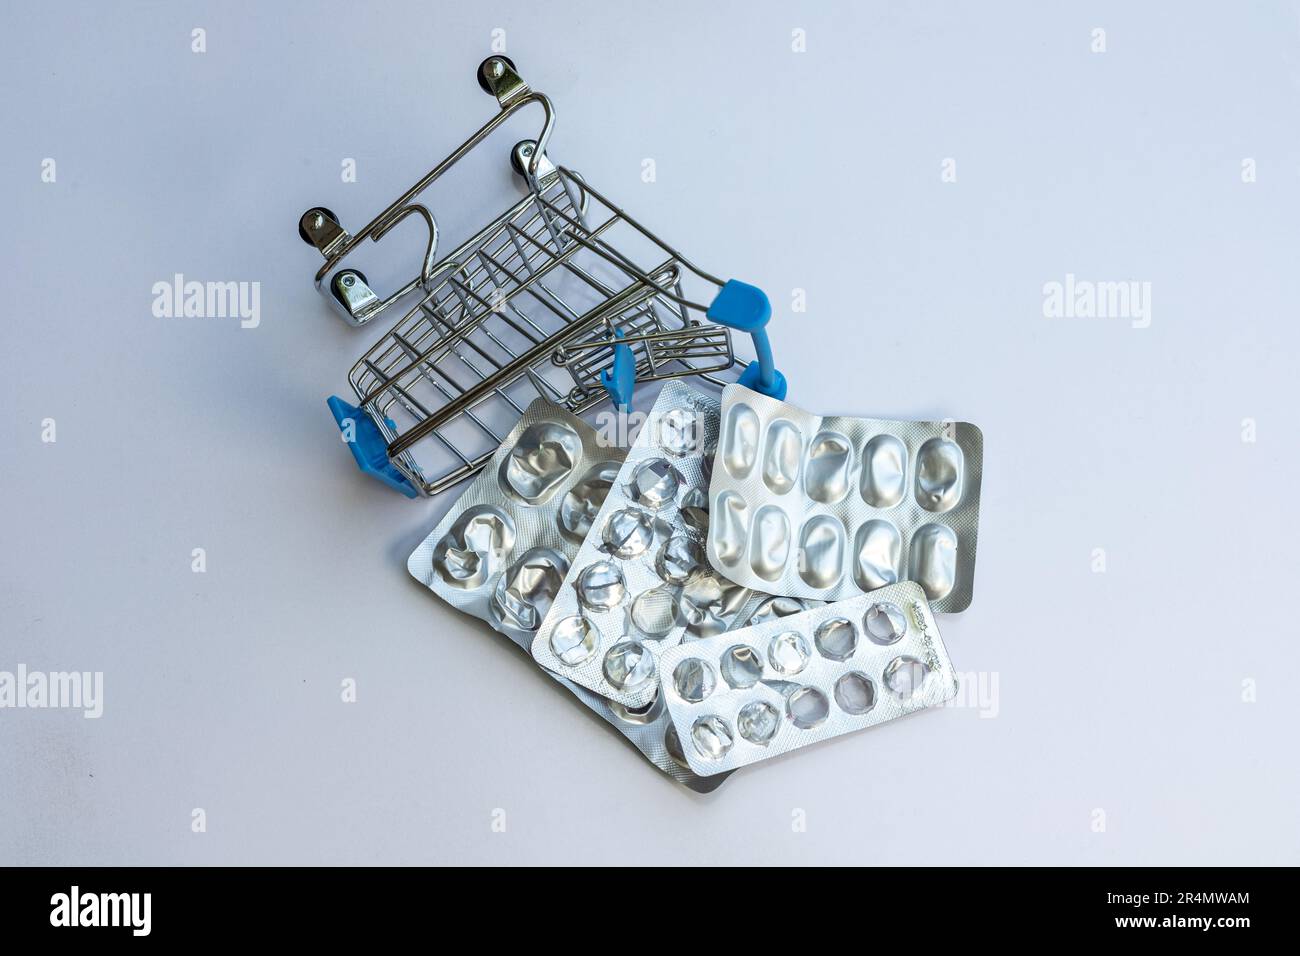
(368, 446)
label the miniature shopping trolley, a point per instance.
(562, 295)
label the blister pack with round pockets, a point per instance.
(640, 583)
(750, 694)
(502, 550)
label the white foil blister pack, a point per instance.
(640, 583)
(830, 507)
(503, 549)
(744, 696)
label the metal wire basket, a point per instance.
(562, 295)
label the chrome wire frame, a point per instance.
(534, 303)
(544, 287)
(357, 302)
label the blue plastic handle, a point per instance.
(745, 308)
(368, 446)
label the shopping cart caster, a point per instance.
(352, 291)
(319, 227)
(489, 72)
(521, 155)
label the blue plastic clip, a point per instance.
(619, 379)
(369, 447)
(745, 308)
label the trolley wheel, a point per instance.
(482, 70)
(302, 233)
(334, 288)
(518, 158)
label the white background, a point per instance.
(1120, 691)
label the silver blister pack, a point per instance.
(830, 507)
(640, 583)
(478, 557)
(744, 696)
(502, 550)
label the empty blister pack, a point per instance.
(640, 582)
(501, 551)
(744, 696)
(831, 507)
(651, 728)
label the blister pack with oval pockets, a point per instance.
(830, 507)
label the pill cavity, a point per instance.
(712, 737)
(540, 460)
(836, 639)
(884, 471)
(788, 653)
(693, 507)
(905, 676)
(581, 504)
(679, 557)
(730, 528)
(475, 547)
(933, 562)
(769, 548)
(781, 456)
(757, 722)
(600, 586)
(573, 640)
(939, 475)
(878, 549)
(629, 665)
(885, 623)
(654, 483)
(742, 667)
(654, 612)
(807, 708)
(855, 693)
(681, 432)
(629, 532)
(821, 551)
(826, 475)
(694, 679)
(740, 440)
(524, 593)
